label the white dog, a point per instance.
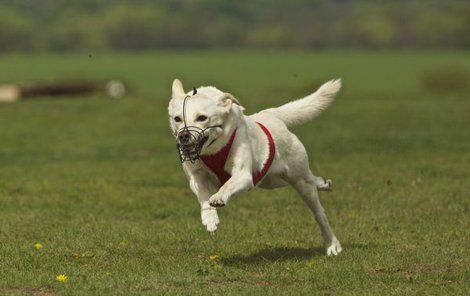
(225, 152)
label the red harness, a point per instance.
(216, 162)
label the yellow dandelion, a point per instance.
(217, 267)
(38, 246)
(61, 278)
(214, 257)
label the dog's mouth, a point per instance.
(212, 142)
(190, 140)
(192, 149)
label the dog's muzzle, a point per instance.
(191, 139)
(189, 142)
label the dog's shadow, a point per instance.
(270, 255)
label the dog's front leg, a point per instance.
(239, 182)
(200, 186)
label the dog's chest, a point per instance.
(216, 162)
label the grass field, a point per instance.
(98, 182)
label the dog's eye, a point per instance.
(177, 119)
(201, 118)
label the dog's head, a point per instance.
(201, 120)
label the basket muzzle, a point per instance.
(191, 139)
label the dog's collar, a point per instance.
(216, 162)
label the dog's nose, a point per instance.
(184, 137)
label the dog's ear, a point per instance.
(177, 89)
(226, 101)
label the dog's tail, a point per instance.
(303, 110)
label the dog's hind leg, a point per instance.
(308, 191)
(301, 178)
(322, 183)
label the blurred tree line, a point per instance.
(66, 25)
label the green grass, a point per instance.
(99, 184)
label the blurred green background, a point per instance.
(83, 25)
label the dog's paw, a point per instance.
(334, 248)
(216, 201)
(325, 185)
(210, 219)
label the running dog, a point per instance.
(225, 152)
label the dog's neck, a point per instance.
(229, 127)
(221, 141)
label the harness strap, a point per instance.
(272, 150)
(216, 162)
